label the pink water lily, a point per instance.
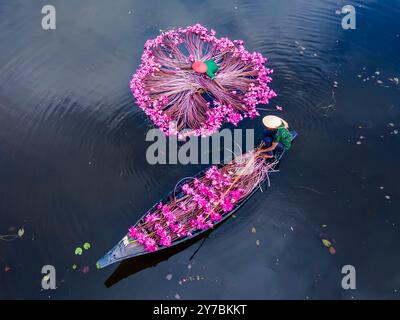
(151, 218)
(203, 202)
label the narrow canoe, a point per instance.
(125, 249)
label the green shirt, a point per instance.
(283, 136)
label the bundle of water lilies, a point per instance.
(190, 82)
(200, 203)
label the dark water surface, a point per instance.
(73, 167)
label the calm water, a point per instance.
(72, 165)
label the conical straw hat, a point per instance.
(274, 122)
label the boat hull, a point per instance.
(125, 249)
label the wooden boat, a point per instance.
(126, 249)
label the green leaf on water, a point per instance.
(326, 243)
(78, 251)
(74, 267)
(86, 245)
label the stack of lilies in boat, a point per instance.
(201, 202)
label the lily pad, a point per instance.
(86, 245)
(78, 251)
(326, 243)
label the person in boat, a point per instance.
(276, 136)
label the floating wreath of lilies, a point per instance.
(171, 87)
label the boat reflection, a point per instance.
(135, 264)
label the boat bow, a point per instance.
(123, 249)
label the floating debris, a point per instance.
(177, 296)
(7, 269)
(78, 251)
(257, 242)
(191, 278)
(74, 267)
(168, 277)
(358, 142)
(387, 197)
(253, 230)
(21, 232)
(11, 237)
(326, 243)
(85, 269)
(324, 225)
(329, 245)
